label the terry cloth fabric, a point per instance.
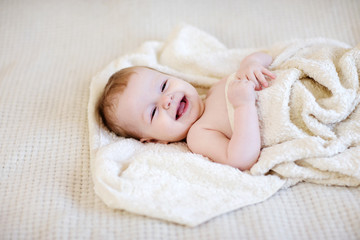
(309, 120)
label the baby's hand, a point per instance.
(252, 68)
(241, 92)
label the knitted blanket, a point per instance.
(309, 120)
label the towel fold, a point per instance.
(309, 119)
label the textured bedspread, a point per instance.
(49, 52)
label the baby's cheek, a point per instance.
(177, 130)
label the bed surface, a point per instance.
(49, 52)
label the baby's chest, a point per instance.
(216, 114)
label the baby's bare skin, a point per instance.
(212, 135)
(161, 108)
(215, 115)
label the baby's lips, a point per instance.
(181, 108)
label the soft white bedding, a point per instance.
(50, 50)
(309, 121)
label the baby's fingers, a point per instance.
(253, 78)
(268, 73)
(261, 78)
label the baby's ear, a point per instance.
(150, 140)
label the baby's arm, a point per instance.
(245, 142)
(243, 149)
(244, 145)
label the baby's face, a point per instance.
(158, 107)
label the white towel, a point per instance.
(169, 182)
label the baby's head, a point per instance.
(148, 105)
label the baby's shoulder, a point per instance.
(198, 128)
(196, 134)
(205, 126)
(202, 134)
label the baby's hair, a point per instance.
(108, 101)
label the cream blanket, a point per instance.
(309, 117)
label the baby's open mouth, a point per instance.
(181, 108)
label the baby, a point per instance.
(151, 106)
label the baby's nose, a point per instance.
(166, 101)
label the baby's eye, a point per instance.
(153, 113)
(163, 86)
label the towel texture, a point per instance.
(310, 119)
(309, 122)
